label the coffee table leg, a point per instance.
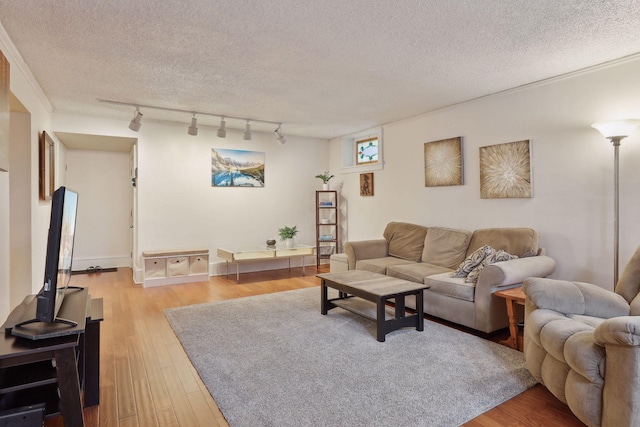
(380, 319)
(400, 312)
(323, 297)
(420, 311)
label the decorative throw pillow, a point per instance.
(497, 256)
(472, 261)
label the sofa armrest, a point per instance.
(623, 330)
(505, 273)
(365, 249)
(574, 298)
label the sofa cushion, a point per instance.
(416, 272)
(517, 241)
(406, 240)
(445, 247)
(472, 261)
(454, 287)
(379, 265)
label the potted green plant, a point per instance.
(287, 234)
(325, 177)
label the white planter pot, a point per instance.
(289, 243)
(325, 187)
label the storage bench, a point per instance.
(173, 267)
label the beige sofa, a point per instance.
(430, 255)
(583, 343)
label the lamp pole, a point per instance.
(616, 206)
(615, 131)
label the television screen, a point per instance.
(57, 273)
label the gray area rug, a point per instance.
(274, 360)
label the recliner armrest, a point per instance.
(574, 298)
(623, 330)
(365, 249)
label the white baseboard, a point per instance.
(113, 262)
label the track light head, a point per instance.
(280, 136)
(247, 132)
(136, 122)
(222, 130)
(193, 129)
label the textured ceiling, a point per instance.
(324, 68)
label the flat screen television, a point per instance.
(57, 271)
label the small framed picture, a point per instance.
(366, 184)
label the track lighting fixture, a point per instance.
(247, 132)
(280, 136)
(222, 130)
(193, 129)
(136, 122)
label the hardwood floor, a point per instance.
(146, 378)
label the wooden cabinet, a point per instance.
(326, 224)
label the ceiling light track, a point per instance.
(136, 122)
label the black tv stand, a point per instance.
(28, 376)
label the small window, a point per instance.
(363, 151)
(367, 151)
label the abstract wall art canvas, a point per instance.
(505, 170)
(443, 162)
(237, 168)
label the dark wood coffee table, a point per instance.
(376, 288)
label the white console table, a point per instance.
(259, 253)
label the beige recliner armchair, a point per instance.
(583, 343)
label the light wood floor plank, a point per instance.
(205, 417)
(179, 400)
(108, 406)
(145, 409)
(124, 388)
(166, 417)
(156, 380)
(183, 367)
(136, 364)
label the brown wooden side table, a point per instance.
(512, 297)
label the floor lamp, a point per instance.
(615, 131)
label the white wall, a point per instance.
(176, 206)
(103, 182)
(572, 204)
(20, 211)
(5, 288)
(25, 89)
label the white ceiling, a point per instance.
(324, 68)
